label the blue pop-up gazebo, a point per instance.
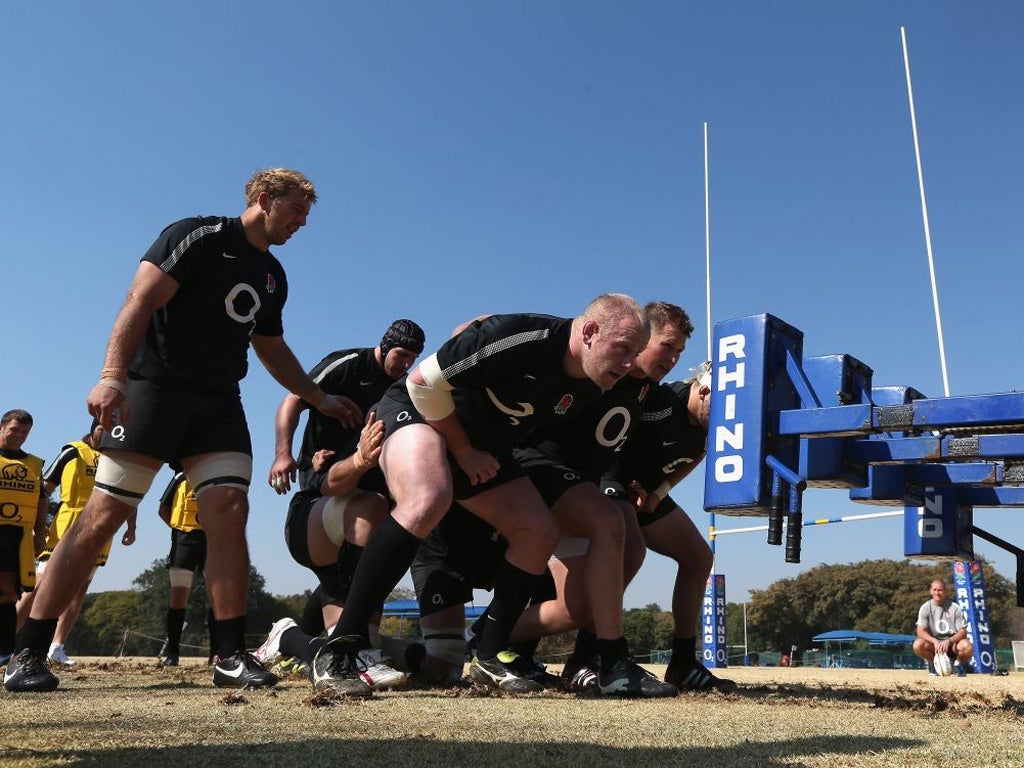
(841, 636)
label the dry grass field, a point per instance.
(132, 713)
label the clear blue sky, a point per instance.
(493, 157)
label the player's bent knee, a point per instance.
(123, 480)
(228, 469)
(332, 518)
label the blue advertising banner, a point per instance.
(714, 649)
(969, 591)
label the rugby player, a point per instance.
(204, 291)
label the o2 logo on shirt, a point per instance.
(242, 304)
(609, 438)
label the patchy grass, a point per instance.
(132, 713)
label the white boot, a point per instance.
(58, 655)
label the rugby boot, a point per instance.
(697, 678)
(377, 672)
(58, 655)
(336, 668)
(580, 676)
(532, 669)
(501, 673)
(27, 671)
(242, 671)
(628, 679)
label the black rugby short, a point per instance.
(615, 490)
(188, 549)
(10, 548)
(461, 554)
(167, 422)
(551, 478)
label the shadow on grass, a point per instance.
(450, 754)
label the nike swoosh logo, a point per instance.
(228, 256)
(365, 383)
(529, 376)
(237, 673)
(668, 442)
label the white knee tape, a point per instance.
(219, 470)
(446, 643)
(125, 481)
(570, 546)
(41, 567)
(181, 577)
(333, 518)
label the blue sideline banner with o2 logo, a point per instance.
(713, 650)
(969, 591)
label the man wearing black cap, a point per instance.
(359, 376)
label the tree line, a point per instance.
(872, 595)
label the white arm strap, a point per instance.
(434, 399)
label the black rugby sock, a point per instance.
(298, 645)
(585, 649)
(348, 559)
(230, 636)
(611, 652)
(8, 627)
(512, 589)
(312, 621)
(386, 558)
(211, 628)
(37, 634)
(175, 624)
(684, 652)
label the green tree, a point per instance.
(108, 619)
(294, 605)
(647, 629)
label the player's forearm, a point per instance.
(343, 477)
(286, 421)
(129, 329)
(281, 363)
